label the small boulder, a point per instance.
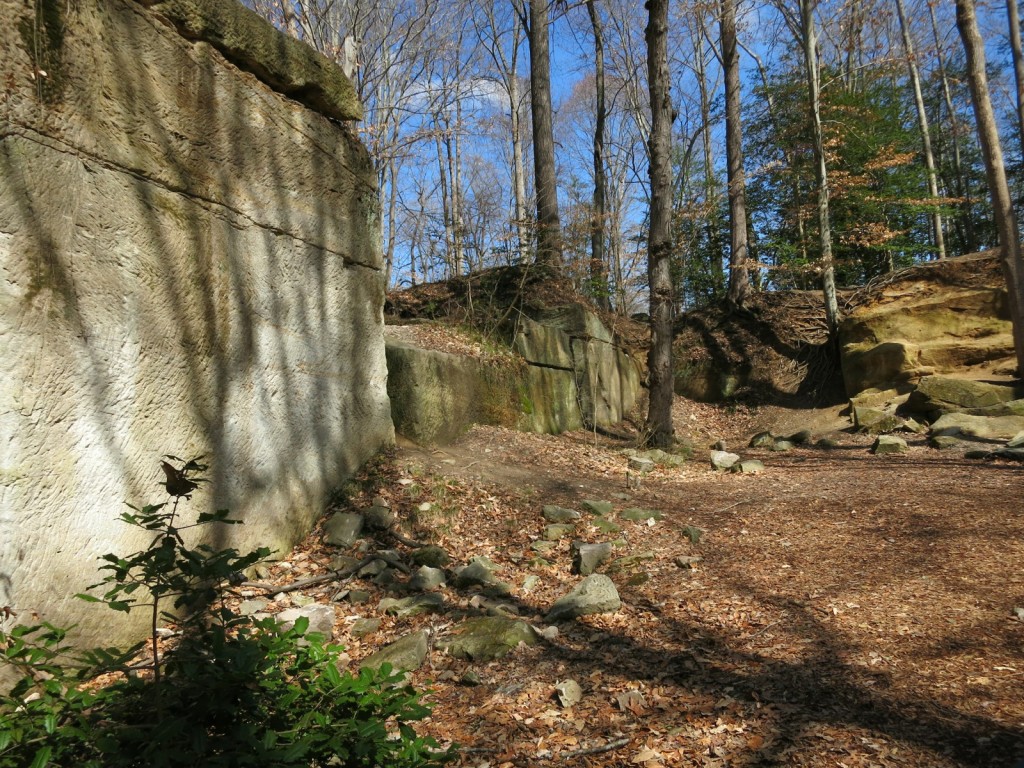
(762, 440)
(404, 655)
(781, 445)
(432, 556)
(426, 579)
(638, 515)
(430, 602)
(595, 594)
(723, 460)
(342, 529)
(1017, 441)
(587, 558)
(943, 442)
(321, 619)
(379, 518)
(557, 531)
(555, 514)
(886, 444)
(363, 627)
(803, 437)
(487, 638)
(604, 525)
(599, 508)
(641, 464)
(748, 467)
(874, 421)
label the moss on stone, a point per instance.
(252, 44)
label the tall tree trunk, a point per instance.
(518, 169)
(1013, 16)
(549, 228)
(658, 427)
(995, 171)
(922, 121)
(962, 184)
(446, 208)
(739, 280)
(809, 43)
(598, 262)
(710, 187)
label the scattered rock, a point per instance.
(373, 568)
(687, 561)
(432, 556)
(641, 464)
(364, 627)
(1018, 611)
(488, 638)
(978, 453)
(530, 582)
(1014, 454)
(1017, 441)
(429, 602)
(342, 529)
(720, 445)
(599, 508)
(762, 440)
(379, 518)
(427, 578)
(630, 562)
(781, 445)
(543, 547)
(939, 395)
(557, 531)
(250, 607)
(480, 573)
(554, 514)
(586, 558)
(606, 526)
(749, 467)
(722, 460)
(666, 459)
(827, 443)
(405, 654)
(983, 427)
(874, 421)
(943, 442)
(321, 619)
(595, 594)
(638, 515)
(471, 677)
(344, 562)
(358, 596)
(568, 693)
(889, 444)
(803, 437)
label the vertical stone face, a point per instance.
(189, 264)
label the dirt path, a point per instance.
(847, 610)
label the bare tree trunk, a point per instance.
(962, 184)
(710, 190)
(446, 209)
(739, 280)
(995, 171)
(809, 42)
(1013, 16)
(549, 228)
(518, 168)
(658, 427)
(922, 121)
(598, 262)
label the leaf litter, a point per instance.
(840, 609)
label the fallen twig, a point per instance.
(335, 575)
(609, 747)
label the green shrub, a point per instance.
(233, 691)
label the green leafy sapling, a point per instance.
(231, 691)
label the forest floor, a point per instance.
(847, 609)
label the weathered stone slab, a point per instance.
(191, 265)
(404, 655)
(985, 427)
(595, 594)
(488, 638)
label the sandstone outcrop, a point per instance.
(939, 318)
(191, 265)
